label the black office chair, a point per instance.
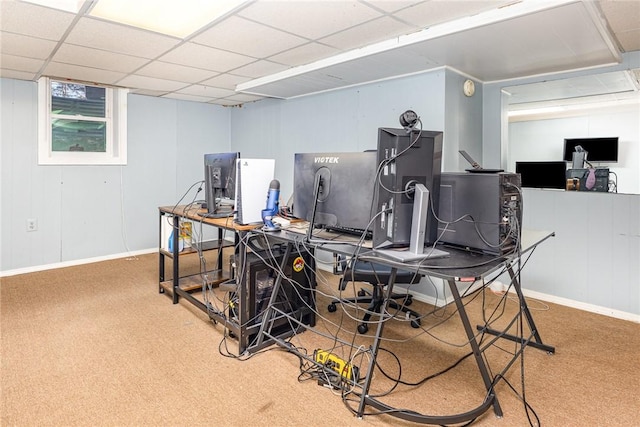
(378, 276)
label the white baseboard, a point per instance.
(618, 314)
(75, 262)
(428, 299)
(592, 308)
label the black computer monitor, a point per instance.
(542, 174)
(598, 149)
(406, 158)
(344, 183)
(220, 183)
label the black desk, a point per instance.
(459, 266)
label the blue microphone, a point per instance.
(272, 207)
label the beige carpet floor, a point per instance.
(97, 345)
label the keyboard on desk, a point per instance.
(368, 234)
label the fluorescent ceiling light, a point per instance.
(172, 17)
(66, 5)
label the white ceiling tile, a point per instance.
(225, 80)
(148, 92)
(119, 38)
(20, 45)
(151, 83)
(304, 54)
(429, 13)
(259, 69)
(225, 102)
(169, 71)
(381, 29)
(630, 40)
(76, 72)
(185, 97)
(206, 91)
(205, 57)
(95, 58)
(32, 20)
(310, 19)
(19, 75)
(247, 38)
(390, 6)
(244, 97)
(21, 63)
(622, 15)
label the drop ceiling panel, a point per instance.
(304, 54)
(185, 97)
(380, 29)
(32, 20)
(427, 13)
(75, 72)
(248, 38)
(12, 62)
(151, 83)
(14, 74)
(260, 68)
(310, 19)
(80, 55)
(206, 91)
(539, 42)
(390, 6)
(225, 80)
(575, 87)
(30, 47)
(168, 71)
(205, 57)
(103, 35)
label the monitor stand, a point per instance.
(416, 250)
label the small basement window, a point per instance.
(81, 124)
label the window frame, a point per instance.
(116, 128)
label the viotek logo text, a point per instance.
(326, 159)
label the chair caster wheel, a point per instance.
(408, 301)
(331, 308)
(362, 328)
(362, 293)
(415, 323)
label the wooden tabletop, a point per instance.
(195, 213)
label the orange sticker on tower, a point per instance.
(298, 264)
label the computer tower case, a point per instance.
(480, 211)
(296, 296)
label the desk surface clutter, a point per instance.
(274, 295)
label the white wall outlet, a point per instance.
(32, 224)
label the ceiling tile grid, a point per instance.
(261, 41)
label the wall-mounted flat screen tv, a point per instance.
(598, 149)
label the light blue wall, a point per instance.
(593, 260)
(345, 120)
(348, 120)
(93, 211)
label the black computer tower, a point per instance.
(296, 296)
(488, 207)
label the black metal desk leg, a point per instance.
(475, 347)
(376, 343)
(176, 257)
(160, 255)
(524, 309)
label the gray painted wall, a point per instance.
(93, 211)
